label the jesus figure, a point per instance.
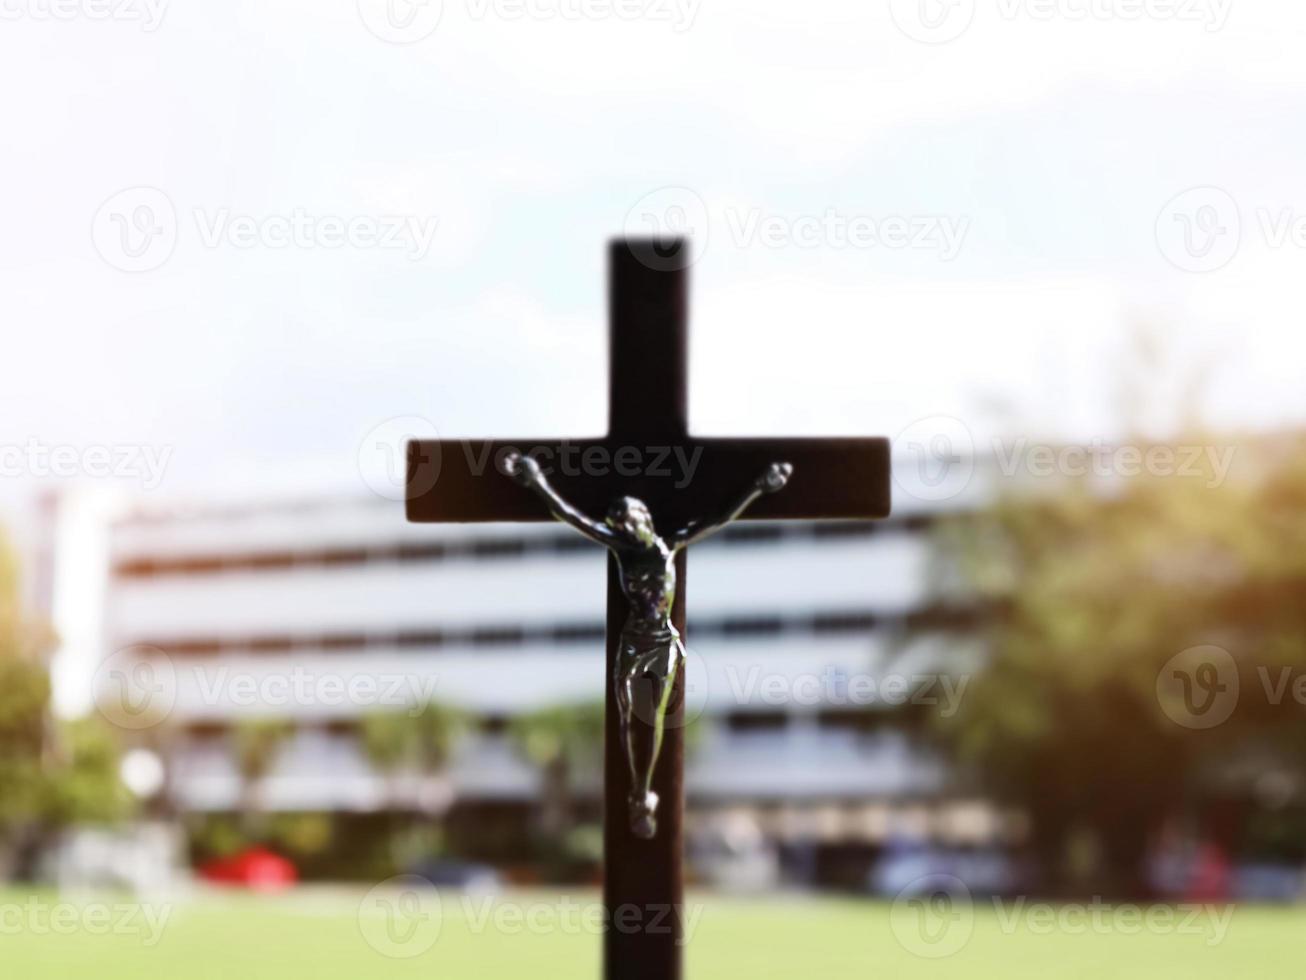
(651, 650)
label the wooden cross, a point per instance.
(643, 455)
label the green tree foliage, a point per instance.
(51, 775)
(257, 742)
(409, 743)
(417, 741)
(1094, 589)
(560, 741)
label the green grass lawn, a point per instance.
(320, 934)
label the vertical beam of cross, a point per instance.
(834, 478)
(648, 368)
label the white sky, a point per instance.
(1056, 139)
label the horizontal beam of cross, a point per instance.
(837, 478)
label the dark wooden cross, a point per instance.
(460, 481)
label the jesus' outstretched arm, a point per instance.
(773, 479)
(526, 471)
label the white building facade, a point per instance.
(321, 611)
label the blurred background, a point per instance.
(1053, 250)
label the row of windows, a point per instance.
(740, 722)
(830, 622)
(479, 549)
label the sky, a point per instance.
(240, 239)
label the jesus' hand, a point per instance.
(523, 469)
(775, 477)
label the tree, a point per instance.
(560, 740)
(1094, 590)
(51, 776)
(257, 742)
(421, 742)
(404, 745)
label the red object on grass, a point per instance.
(256, 868)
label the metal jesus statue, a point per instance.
(650, 648)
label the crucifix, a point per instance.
(620, 491)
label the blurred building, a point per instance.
(320, 611)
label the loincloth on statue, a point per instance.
(646, 651)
